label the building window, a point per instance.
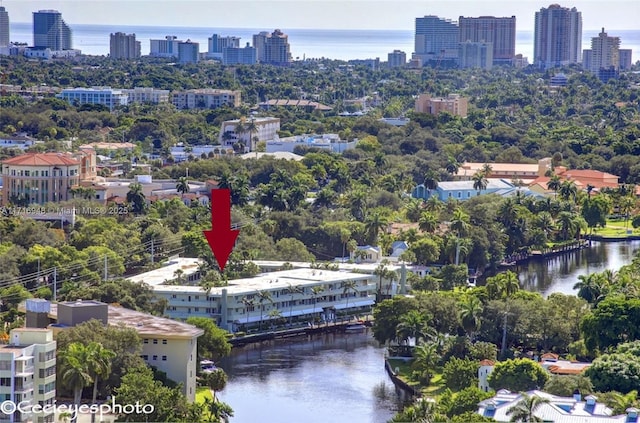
(164, 358)
(145, 357)
(155, 358)
(155, 341)
(164, 342)
(145, 341)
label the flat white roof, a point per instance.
(270, 281)
(166, 272)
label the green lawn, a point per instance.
(202, 393)
(616, 228)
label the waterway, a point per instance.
(341, 377)
(324, 378)
(560, 273)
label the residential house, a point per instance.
(459, 190)
(557, 409)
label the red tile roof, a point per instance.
(42, 159)
(486, 362)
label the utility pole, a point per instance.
(152, 252)
(106, 269)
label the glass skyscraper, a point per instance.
(558, 36)
(50, 31)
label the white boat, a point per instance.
(358, 327)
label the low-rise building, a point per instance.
(329, 142)
(321, 294)
(555, 408)
(20, 142)
(205, 98)
(168, 345)
(106, 96)
(147, 95)
(239, 131)
(453, 103)
(460, 190)
(40, 178)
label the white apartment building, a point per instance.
(330, 142)
(28, 373)
(106, 96)
(168, 345)
(164, 48)
(266, 129)
(21, 142)
(205, 98)
(147, 95)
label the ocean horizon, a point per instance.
(336, 44)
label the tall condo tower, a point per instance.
(4, 27)
(436, 39)
(501, 32)
(557, 37)
(50, 30)
(277, 50)
(124, 46)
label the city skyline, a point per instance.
(315, 14)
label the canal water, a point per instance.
(341, 377)
(560, 273)
(319, 379)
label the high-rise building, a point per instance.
(164, 48)
(436, 39)
(476, 55)
(218, 43)
(277, 49)
(605, 56)
(625, 58)
(124, 46)
(501, 32)
(260, 44)
(50, 31)
(397, 59)
(239, 56)
(4, 27)
(557, 36)
(188, 52)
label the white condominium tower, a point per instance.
(557, 37)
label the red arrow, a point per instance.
(221, 237)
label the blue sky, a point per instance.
(326, 14)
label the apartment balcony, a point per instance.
(23, 387)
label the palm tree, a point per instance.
(349, 286)
(460, 222)
(315, 292)
(480, 181)
(470, 311)
(262, 297)
(99, 366)
(218, 411)
(248, 303)
(509, 282)
(452, 165)
(251, 128)
(554, 184)
(413, 325)
(374, 223)
(567, 224)
(626, 205)
(428, 222)
(75, 372)
(567, 190)
(291, 289)
(486, 169)
(431, 180)
(592, 288)
(182, 186)
(524, 410)
(136, 198)
(425, 359)
(434, 205)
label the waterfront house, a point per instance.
(557, 409)
(459, 190)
